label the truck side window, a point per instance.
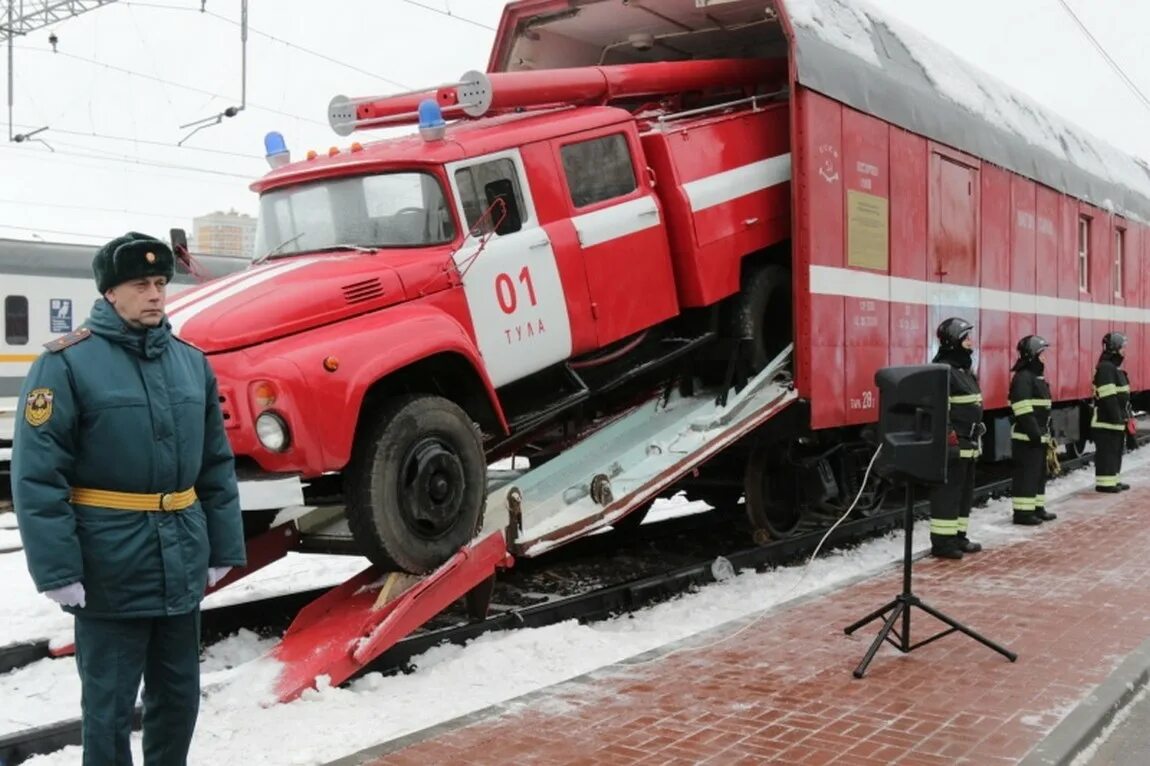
(598, 169)
(15, 320)
(480, 183)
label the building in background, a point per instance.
(229, 233)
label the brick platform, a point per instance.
(1072, 601)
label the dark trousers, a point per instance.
(950, 503)
(112, 656)
(1029, 485)
(1109, 444)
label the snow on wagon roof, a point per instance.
(857, 54)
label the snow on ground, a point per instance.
(450, 681)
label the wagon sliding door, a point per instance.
(952, 242)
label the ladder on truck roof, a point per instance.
(612, 472)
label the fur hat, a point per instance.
(131, 256)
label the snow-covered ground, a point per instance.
(448, 681)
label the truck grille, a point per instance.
(358, 292)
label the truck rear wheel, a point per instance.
(762, 315)
(416, 487)
(772, 495)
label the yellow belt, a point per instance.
(134, 501)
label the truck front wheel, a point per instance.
(416, 487)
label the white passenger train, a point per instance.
(47, 290)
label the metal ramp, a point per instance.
(611, 473)
(629, 462)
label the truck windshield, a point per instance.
(406, 209)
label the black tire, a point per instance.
(772, 495)
(416, 486)
(762, 315)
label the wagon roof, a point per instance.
(856, 53)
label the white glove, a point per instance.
(69, 595)
(215, 574)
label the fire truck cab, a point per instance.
(425, 305)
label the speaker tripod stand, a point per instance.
(901, 605)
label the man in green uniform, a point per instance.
(125, 493)
(1030, 404)
(1112, 414)
(950, 503)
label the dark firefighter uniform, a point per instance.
(123, 482)
(950, 503)
(1112, 414)
(1030, 405)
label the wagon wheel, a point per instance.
(773, 496)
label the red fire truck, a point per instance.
(795, 191)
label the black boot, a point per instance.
(1045, 515)
(967, 545)
(1026, 518)
(945, 547)
(1110, 490)
(1123, 486)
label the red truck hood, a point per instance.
(290, 295)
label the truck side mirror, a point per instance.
(180, 246)
(502, 191)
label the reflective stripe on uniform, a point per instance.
(963, 524)
(1024, 438)
(134, 501)
(1096, 423)
(1103, 391)
(969, 453)
(1106, 481)
(1040, 501)
(1122, 389)
(1026, 406)
(944, 526)
(1024, 503)
(966, 399)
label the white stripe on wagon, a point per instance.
(737, 182)
(616, 221)
(848, 283)
(182, 315)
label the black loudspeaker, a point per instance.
(913, 403)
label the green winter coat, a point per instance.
(114, 408)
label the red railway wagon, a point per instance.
(921, 188)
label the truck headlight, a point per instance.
(272, 431)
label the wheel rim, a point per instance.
(776, 505)
(431, 488)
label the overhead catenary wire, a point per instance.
(1130, 84)
(449, 14)
(269, 36)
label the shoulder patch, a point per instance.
(38, 406)
(71, 339)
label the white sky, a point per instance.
(115, 186)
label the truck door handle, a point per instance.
(750, 221)
(537, 245)
(647, 213)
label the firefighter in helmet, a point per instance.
(1030, 404)
(950, 503)
(1112, 414)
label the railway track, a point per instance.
(580, 581)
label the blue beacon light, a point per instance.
(277, 151)
(431, 124)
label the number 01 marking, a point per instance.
(506, 293)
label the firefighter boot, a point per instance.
(1045, 515)
(966, 545)
(945, 547)
(1123, 486)
(1027, 518)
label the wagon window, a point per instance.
(598, 169)
(15, 320)
(1084, 254)
(1119, 260)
